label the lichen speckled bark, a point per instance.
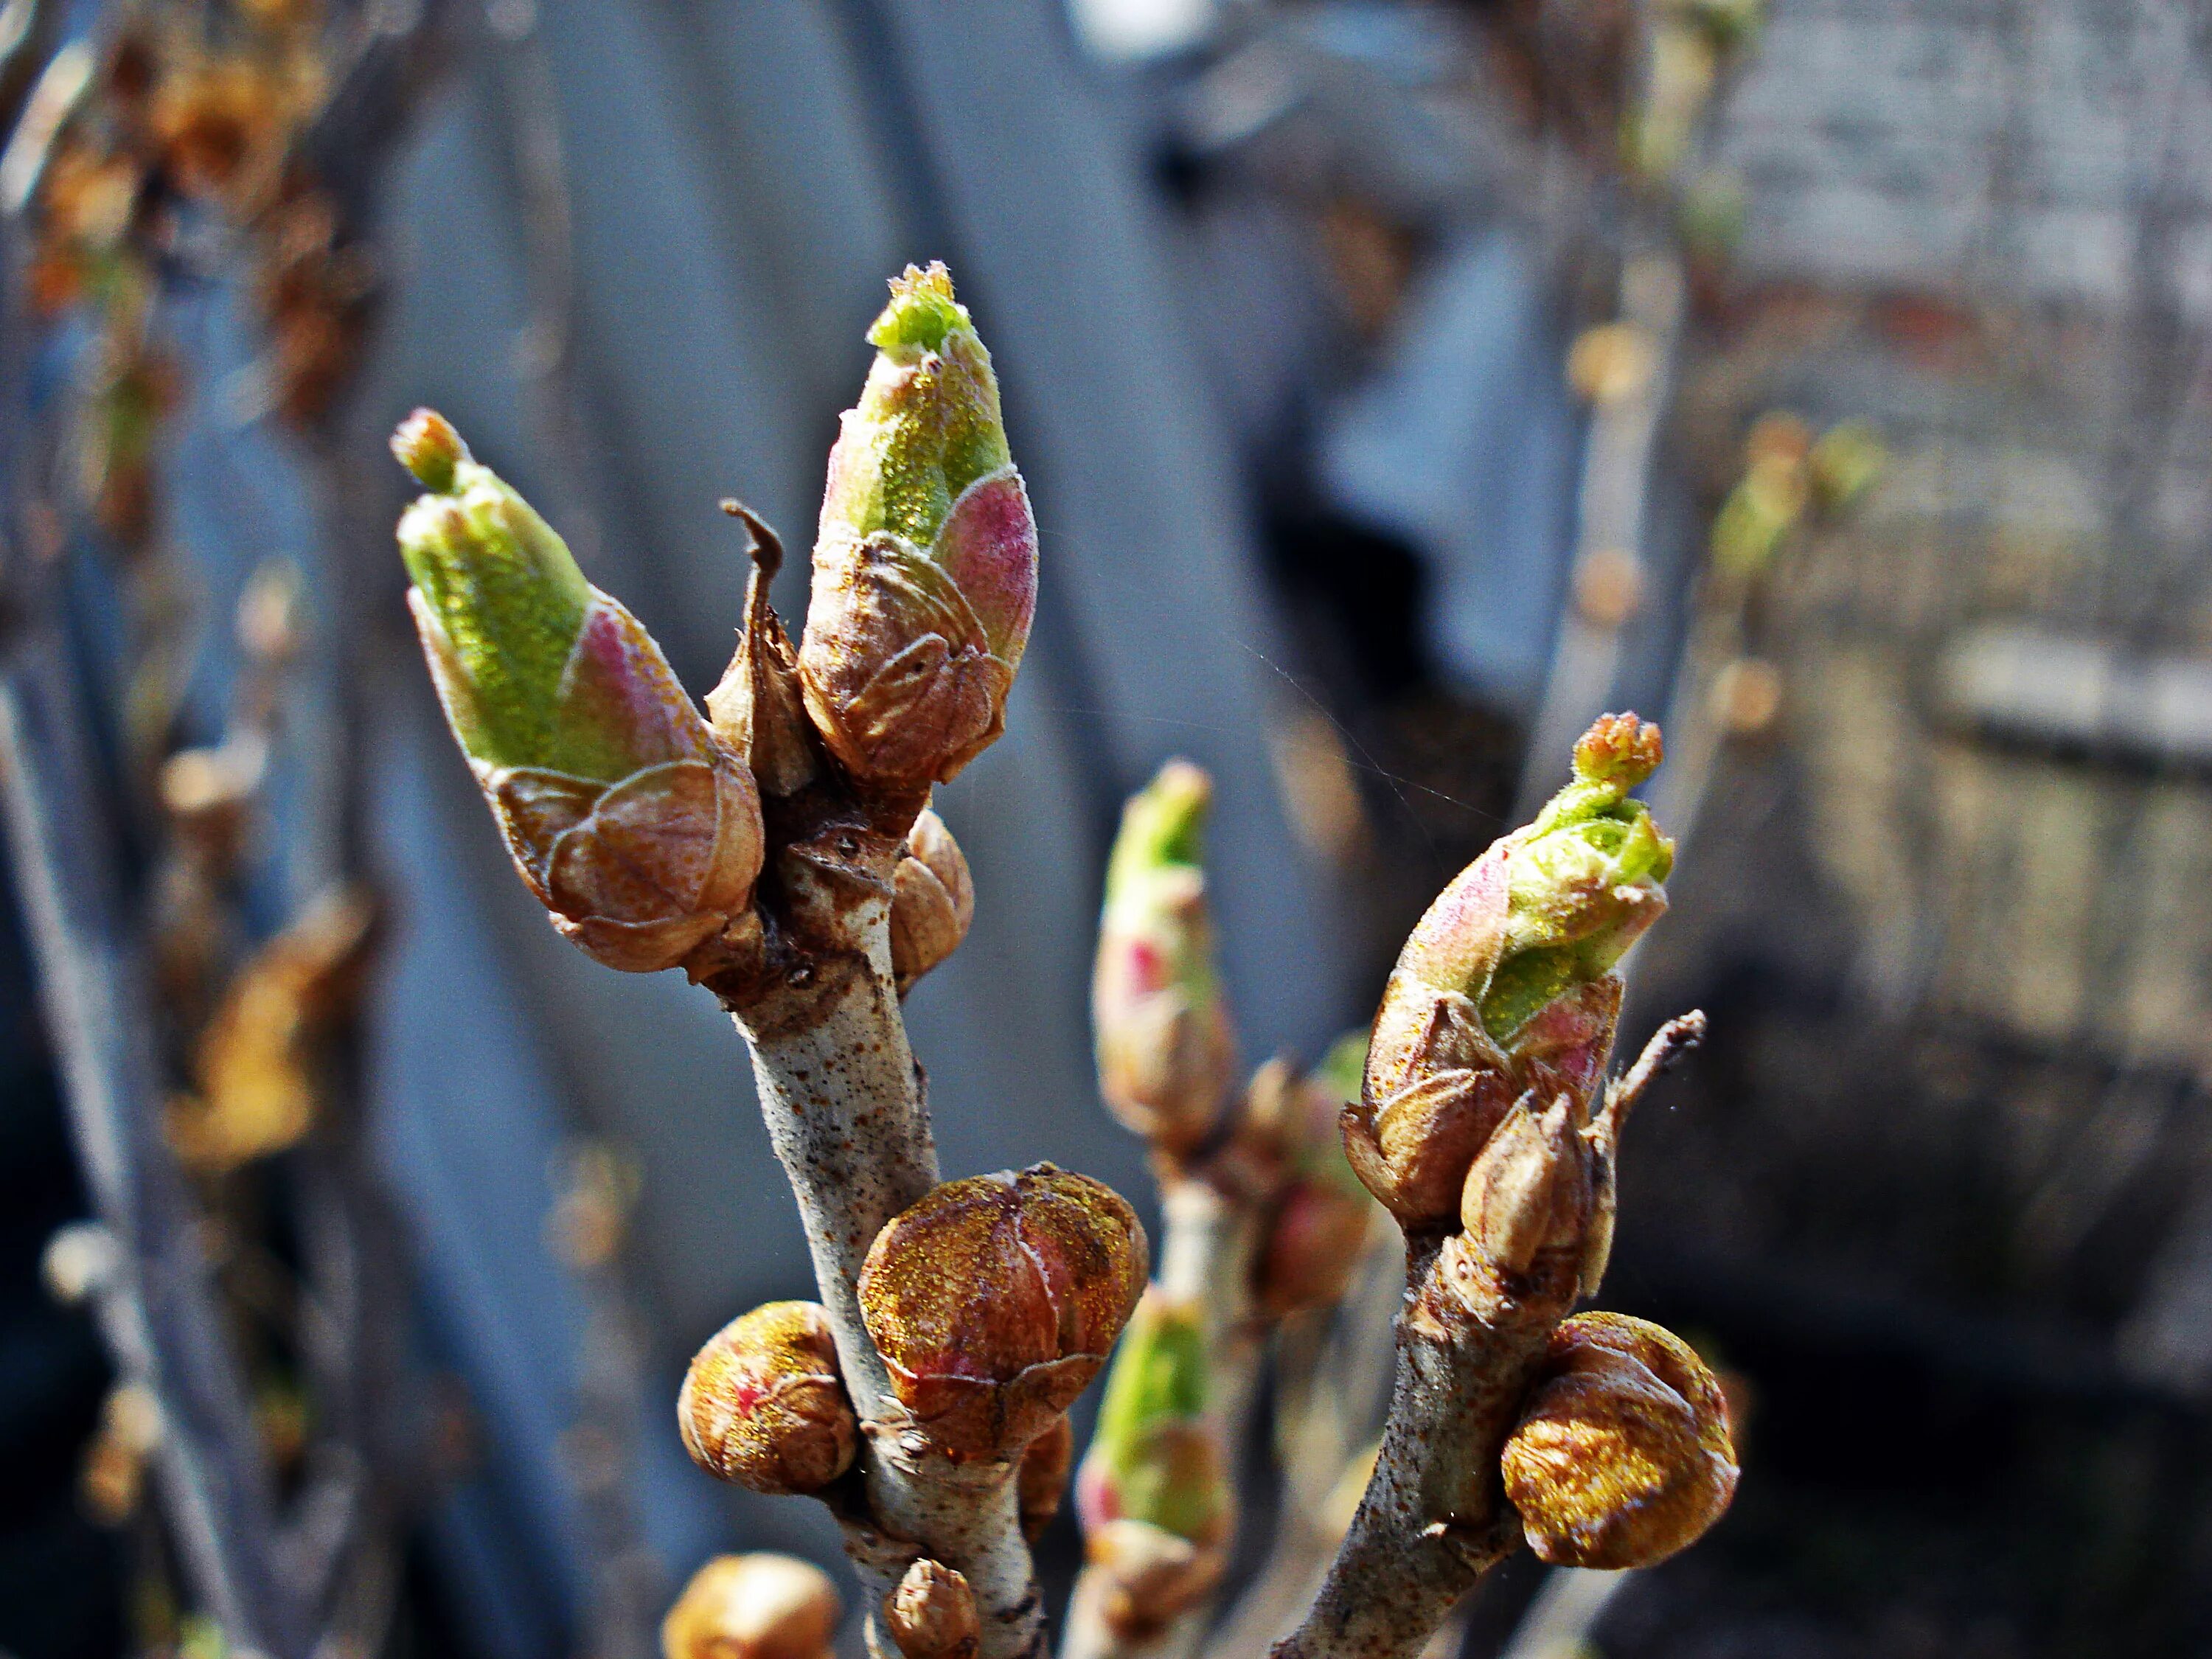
(1435, 1517)
(844, 1102)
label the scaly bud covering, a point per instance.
(1505, 984)
(1623, 1454)
(932, 1615)
(1532, 1189)
(763, 1404)
(632, 824)
(1156, 1457)
(933, 901)
(1042, 1477)
(993, 1302)
(1166, 1054)
(924, 566)
(1315, 1222)
(753, 1606)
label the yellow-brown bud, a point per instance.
(1623, 1454)
(1042, 1479)
(753, 1606)
(1149, 1575)
(932, 1615)
(764, 1406)
(995, 1301)
(933, 901)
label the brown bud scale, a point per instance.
(763, 1404)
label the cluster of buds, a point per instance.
(753, 1606)
(1505, 986)
(1788, 473)
(1290, 1152)
(1154, 1491)
(1166, 1054)
(1623, 1454)
(763, 1404)
(924, 565)
(995, 1301)
(628, 818)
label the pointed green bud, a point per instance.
(1154, 1457)
(1166, 1052)
(1506, 983)
(925, 564)
(637, 828)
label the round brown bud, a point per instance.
(995, 1300)
(1315, 1237)
(763, 1404)
(933, 901)
(753, 1606)
(1623, 1454)
(932, 1615)
(1042, 1478)
(1150, 1575)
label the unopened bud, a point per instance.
(1156, 1456)
(933, 901)
(925, 567)
(753, 1606)
(1531, 1189)
(994, 1300)
(80, 1260)
(763, 1404)
(932, 1615)
(1506, 983)
(1147, 1576)
(1042, 1477)
(1317, 1234)
(631, 823)
(1166, 1054)
(1623, 1456)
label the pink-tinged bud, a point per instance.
(1623, 1456)
(925, 567)
(933, 901)
(995, 1299)
(753, 1606)
(1156, 1456)
(1316, 1236)
(639, 831)
(1042, 1478)
(1166, 1054)
(1505, 984)
(932, 1615)
(763, 1404)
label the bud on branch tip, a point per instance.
(628, 820)
(1166, 1054)
(926, 560)
(1506, 983)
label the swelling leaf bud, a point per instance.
(1156, 1457)
(993, 1302)
(1531, 1189)
(1317, 1213)
(763, 1403)
(933, 901)
(1166, 1054)
(932, 1615)
(1623, 1454)
(924, 565)
(1506, 983)
(753, 1606)
(631, 823)
(1042, 1477)
(1149, 1575)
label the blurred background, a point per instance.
(1399, 386)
